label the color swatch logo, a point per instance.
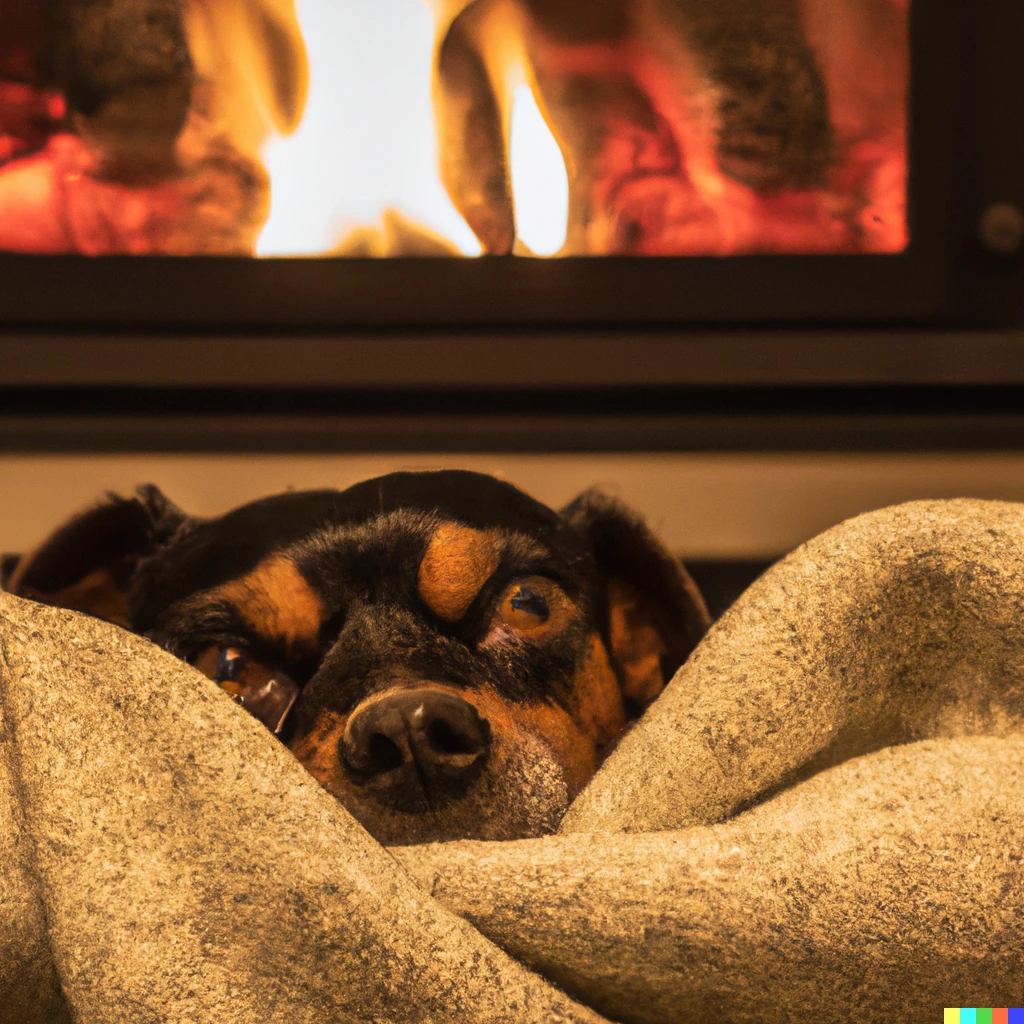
(983, 1015)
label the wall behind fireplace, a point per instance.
(718, 506)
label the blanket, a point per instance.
(820, 819)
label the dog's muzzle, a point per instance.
(415, 750)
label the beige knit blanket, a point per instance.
(163, 858)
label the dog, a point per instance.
(446, 655)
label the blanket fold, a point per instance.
(180, 865)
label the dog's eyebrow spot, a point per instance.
(277, 603)
(458, 562)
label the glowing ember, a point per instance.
(641, 127)
(54, 201)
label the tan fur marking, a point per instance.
(636, 644)
(277, 603)
(573, 749)
(317, 752)
(458, 562)
(597, 697)
(96, 594)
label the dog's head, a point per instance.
(447, 656)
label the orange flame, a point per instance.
(635, 126)
(653, 183)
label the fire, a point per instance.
(637, 127)
(540, 183)
(366, 143)
(154, 144)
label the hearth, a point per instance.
(663, 329)
(783, 161)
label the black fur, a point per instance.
(373, 641)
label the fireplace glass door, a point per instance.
(534, 128)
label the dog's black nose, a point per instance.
(414, 741)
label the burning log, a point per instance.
(29, 112)
(687, 126)
(135, 125)
(127, 74)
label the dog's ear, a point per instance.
(655, 613)
(87, 564)
(8, 563)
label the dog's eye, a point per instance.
(528, 602)
(223, 664)
(534, 605)
(230, 661)
(265, 692)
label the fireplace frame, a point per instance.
(966, 152)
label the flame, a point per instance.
(361, 177)
(351, 165)
(540, 184)
(363, 166)
(366, 143)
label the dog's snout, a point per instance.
(415, 741)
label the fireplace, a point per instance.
(296, 322)
(660, 128)
(786, 161)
